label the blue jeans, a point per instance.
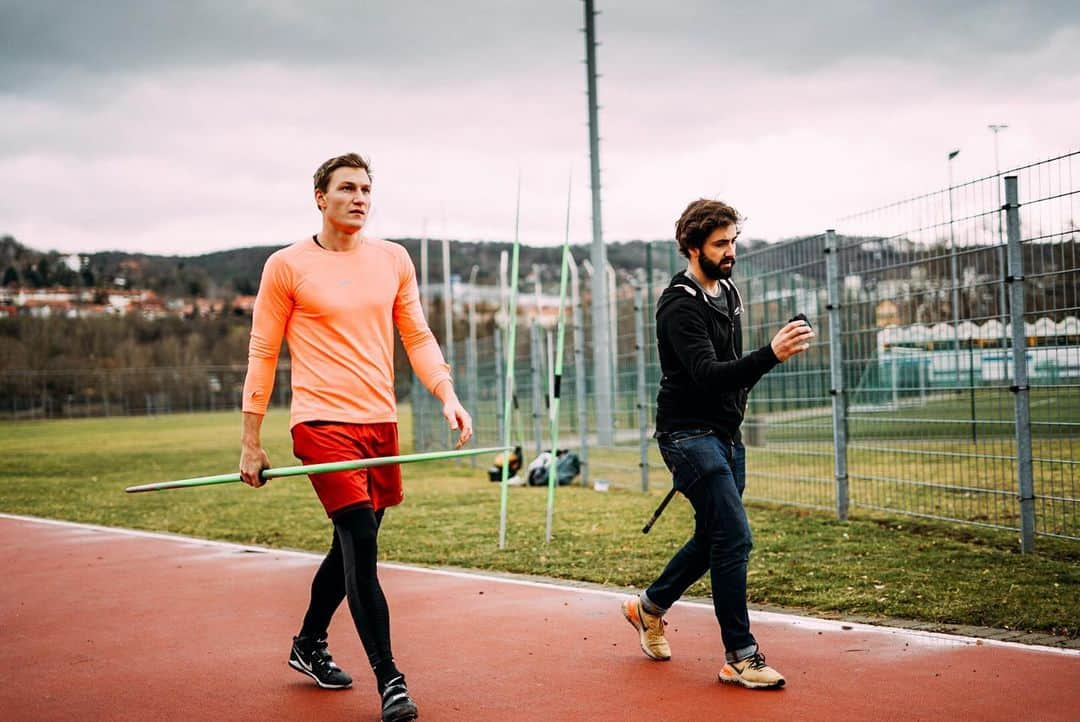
(711, 473)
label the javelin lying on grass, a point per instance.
(317, 468)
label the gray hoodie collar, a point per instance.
(689, 284)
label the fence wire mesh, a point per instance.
(930, 412)
(788, 424)
(1049, 216)
(928, 353)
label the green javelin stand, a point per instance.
(557, 378)
(511, 353)
(316, 469)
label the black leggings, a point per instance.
(349, 571)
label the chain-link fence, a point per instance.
(788, 424)
(911, 401)
(943, 419)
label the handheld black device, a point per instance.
(801, 317)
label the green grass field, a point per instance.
(870, 566)
(1055, 412)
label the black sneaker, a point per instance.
(397, 705)
(310, 657)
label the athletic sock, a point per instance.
(649, 607)
(385, 672)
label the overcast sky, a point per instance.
(186, 127)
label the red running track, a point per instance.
(104, 624)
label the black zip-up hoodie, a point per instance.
(706, 379)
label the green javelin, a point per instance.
(511, 352)
(556, 380)
(315, 468)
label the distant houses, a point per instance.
(61, 302)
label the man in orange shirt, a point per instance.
(336, 298)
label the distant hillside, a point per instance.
(237, 271)
(24, 266)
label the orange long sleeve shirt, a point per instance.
(338, 310)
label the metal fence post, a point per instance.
(448, 306)
(472, 359)
(613, 355)
(648, 279)
(537, 394)
(767, 383)
(500, 385)
(105, 393)
(416, 393)
(642, 394)
(836, 368)
(650, 315)
(580, 392)
(472, 362)
(1015, 279)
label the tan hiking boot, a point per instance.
(650, 630)
(752, 672)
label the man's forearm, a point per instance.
(251, 436)
(732, 375)
(444, 392)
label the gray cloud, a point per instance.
(803, 36)
(51, 39)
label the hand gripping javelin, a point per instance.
(316, 468)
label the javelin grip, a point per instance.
(317, 468)
(659, 510)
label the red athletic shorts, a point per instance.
(318, 442)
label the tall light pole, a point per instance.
(954, 275)
(1002, 306)
(956, 307)
(602, 352)
(996, 128)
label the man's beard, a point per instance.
(715, 271)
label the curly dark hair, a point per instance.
(699, 220)
(349, 160)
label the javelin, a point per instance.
(511, 353)
(659, 510)
(556, 379)
(315, 469)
